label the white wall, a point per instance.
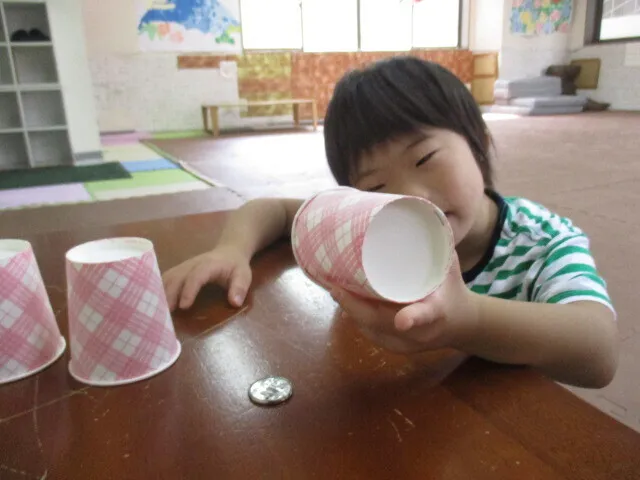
(65, 20)
(485, 29)
(523, 56)
(145, 91)
(619, 84)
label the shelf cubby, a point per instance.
(13, 151)
(10, 118)
(50, 148)
(6, 77)
(42, 108)
(26, 16)
(34, 130)
(35, 65)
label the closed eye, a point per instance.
(426, 158)
(376, 188)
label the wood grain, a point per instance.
(356, 412)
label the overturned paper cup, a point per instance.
(388, 247)
(30, 340)
(120, 328)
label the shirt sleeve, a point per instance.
(568, 274)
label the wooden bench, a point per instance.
(210, 113)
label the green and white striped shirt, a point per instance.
(537, 256)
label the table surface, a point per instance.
(356, 412)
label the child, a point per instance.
(523, 289)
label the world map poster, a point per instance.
(189, 25)
(541, 17)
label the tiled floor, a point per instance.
(584, 166)
(151, 174)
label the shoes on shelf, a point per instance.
(33, 35)
(20, 36)
(36, 35)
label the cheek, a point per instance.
(469, 179)
(465, 189)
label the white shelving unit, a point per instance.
(33, 125)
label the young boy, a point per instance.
(523, 289)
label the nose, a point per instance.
(413, 188)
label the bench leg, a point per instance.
(215, 118)
(205, 119)
(296, 114)
(314, 111)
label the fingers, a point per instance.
(173, 281)
(414, 315)
(239, 285)
(356, 308)
(195, 280)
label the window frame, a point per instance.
(594, 25)
(461, 6)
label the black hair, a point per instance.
(394, 97)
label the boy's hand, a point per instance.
(225, 266)
(444, 319)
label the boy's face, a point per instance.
(434, 164)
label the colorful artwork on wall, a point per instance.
(541, 17)
(189, 25)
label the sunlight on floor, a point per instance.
(499, 116)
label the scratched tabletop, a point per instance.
(356, 411)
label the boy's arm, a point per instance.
(575, 343)
(252, 227)
(258, 224)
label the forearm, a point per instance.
(575, 343)
(258, 224)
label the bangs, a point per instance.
(373, 114)
(375, 105)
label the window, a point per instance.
(271, 25)
(330, 25)
(436, 23)
(385, 25)
(618, 20)
(350, 25)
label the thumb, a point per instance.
(414, 315)
(239, 285)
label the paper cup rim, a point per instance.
(302, 208)
(146, 243)
(437, 211)
(62, 346)
(447, 232)
(126, 381)
(24, 246)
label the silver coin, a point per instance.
(271, 391)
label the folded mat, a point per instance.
(528, 87)
(555, 101)
(548, 110)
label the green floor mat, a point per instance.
(38, 177)
(178, 135)
(142, 179)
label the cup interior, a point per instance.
(9, 248)
(406, 250)
(109, 250)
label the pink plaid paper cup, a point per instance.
(387, 247)
(120, 327)
(30, 340)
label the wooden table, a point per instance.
(356, 413)
(212, 112)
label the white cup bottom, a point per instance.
(406, 251)
(109, 250)
(9, 248)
